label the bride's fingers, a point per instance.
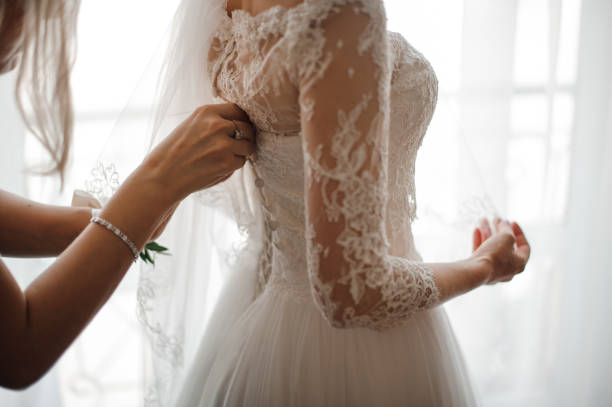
(518, 233)
(523, 249)
(497, 221)
(485, 229)
(519, 263)
(476, 239)
(504, 227)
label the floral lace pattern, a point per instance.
(103, 181)
(330, 90)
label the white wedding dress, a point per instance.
(345, 313)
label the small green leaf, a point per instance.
(148, 256)
(156, 247)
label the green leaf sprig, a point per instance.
(154, 247)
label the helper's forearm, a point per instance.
(32, 229)
(41, 322)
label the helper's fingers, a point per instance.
(238, 160)
(242, 148)
(225, 177)
(246, 128)
(230, 111)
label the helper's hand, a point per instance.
(201, 151)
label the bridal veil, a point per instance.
(215, 236)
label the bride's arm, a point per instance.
(344, 98)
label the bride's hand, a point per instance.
(503, 248)
(201, 151)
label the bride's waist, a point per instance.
(288, 245)
(297, 287)
(289, 274)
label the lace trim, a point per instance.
(103, 181)
(255, 60)
(349, 171)
(164, 345)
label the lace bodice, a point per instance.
(341, 107)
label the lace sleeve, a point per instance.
(344, 82)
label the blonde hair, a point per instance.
(43, 78)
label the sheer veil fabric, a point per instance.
(238, 314)
(215, 234)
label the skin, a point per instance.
(38, 324)
(499, 252)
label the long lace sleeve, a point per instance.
(344, 80)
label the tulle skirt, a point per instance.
(279, 351)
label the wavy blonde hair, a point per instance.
(43, 78)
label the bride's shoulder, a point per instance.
(339, 14)
(306, 8)
(374, 7)
(258, 6)
(317, 27)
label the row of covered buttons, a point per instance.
(272, 223)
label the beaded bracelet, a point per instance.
(98, 220)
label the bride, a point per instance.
(327, 302)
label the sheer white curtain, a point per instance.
(12, 178)
(584, 355)
(526, 82)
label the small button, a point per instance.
(259, 183)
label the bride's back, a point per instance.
(251, 62)
(320, 80)
(259, 58)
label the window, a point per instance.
(506, 72)
(506, 75)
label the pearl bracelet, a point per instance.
(98, 220)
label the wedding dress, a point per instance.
(342, 311)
